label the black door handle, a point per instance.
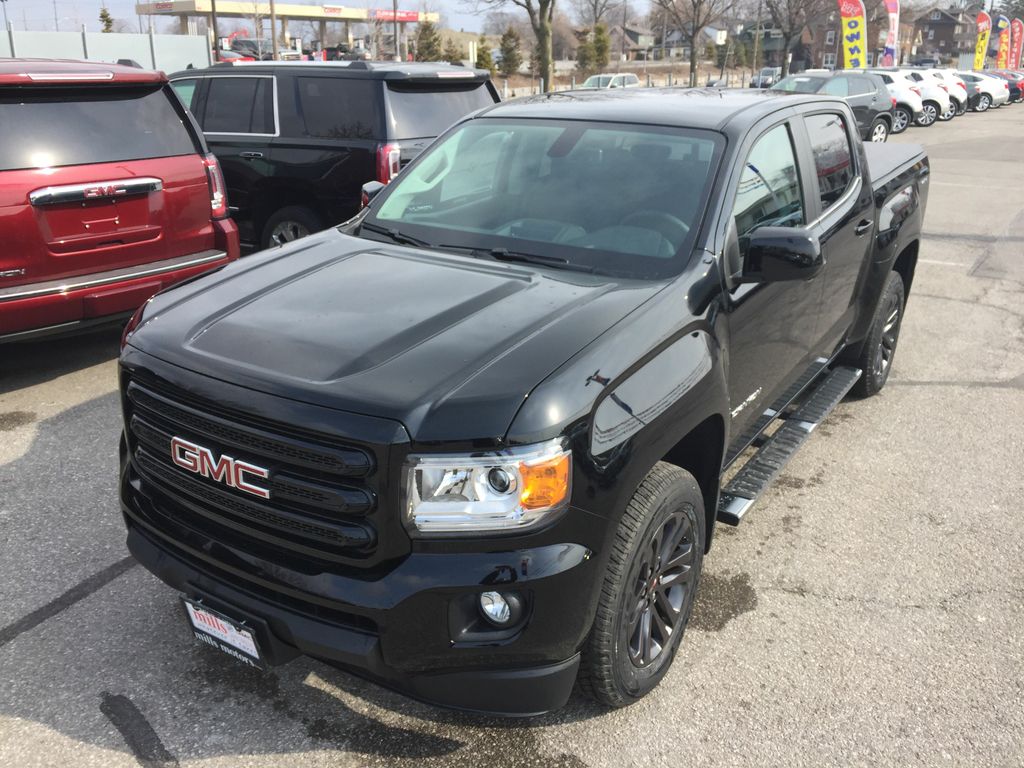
(252, 155)
(863, 227)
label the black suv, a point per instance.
(297, 141)
(865, 93)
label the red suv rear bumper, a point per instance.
(56, 306)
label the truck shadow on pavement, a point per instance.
(30, 363)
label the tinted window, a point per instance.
(339, 108)
(769, 190)
(96, 125)
(239, 105)
(837, 86)
(418, 112)
(517, 185)
(799, 84)
(186, 90)
(833, 160)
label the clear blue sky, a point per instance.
(71, 14)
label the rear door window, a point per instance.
(424, 111)
(837, 86)
(833, 157)
(860, 85)
(56, 127)
(240, 105)
(339, 108)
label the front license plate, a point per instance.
(223, 633)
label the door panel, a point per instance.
(771, 325)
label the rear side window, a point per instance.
(860, 85)
(57, 127)
(240, 105)
(338, 107)
(837, 86)
(833, 158)
(419, 111)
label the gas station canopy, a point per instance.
(289, 11)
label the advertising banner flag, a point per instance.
(1016, 47)
(891, 55)
(855, 39)
(981, 45)
(1003, 32)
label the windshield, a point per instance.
(597, 81)
(767, 72)
(797, 84)
(611, 198)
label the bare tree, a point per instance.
(791, 17)
(593, 12)
(541, 13)
(694, 16)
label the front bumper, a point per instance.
(401, 627)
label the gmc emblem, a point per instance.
(231, 472)
(108, 190)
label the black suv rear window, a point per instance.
(56, 127)
(420, 111)
(339, 107)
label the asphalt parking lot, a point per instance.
(868, 611)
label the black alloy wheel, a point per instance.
(875, 355)
(890, 335)
(662, 587)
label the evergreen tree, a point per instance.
(483, 55)
(602, 46)
(428, 42)
(451, 53)
(511, 58)
(106, 20)
(585, 55)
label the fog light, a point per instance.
(495, 608)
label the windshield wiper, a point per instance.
(504, 254)
(395, 236)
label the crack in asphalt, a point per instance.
(79, 592)
(138, 734)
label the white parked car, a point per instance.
(909, 105)
(957, 88)
(612, 81)
(992, 91)
(934, 95)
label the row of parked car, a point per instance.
(890, 100)
(116, 182)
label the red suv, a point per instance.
(107, 195)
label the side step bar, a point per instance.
(764, 466)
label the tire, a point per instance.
(984, 102)
(961, 108)
(876, 355)
(929, 114)
(878, 133)
(618, 667)
(901, 119)
(289, 223)
(950, 113)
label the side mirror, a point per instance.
(370, 190)
(775, 254)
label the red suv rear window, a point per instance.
(49, 128)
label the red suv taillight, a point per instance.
(389, 158)
(893, 100)
(218, 197)
(916, 90)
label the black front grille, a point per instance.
(321, 493)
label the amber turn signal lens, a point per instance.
(545, 484)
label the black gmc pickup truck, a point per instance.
(472, 444)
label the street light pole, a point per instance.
(273, 29)
(7, 24)
(213, 24)
(398, 45)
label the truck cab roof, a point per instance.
(707, 108)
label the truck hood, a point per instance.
(448, 345)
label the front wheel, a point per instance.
(876, 355)
(648, 589)
(901, 119)
(929, 114)
(879, 131)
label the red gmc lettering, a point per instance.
(231, 472)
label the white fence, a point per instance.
(167, 52)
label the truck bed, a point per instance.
(887, 161)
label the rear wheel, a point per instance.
(984, 102)
(288, 224)
(879, 132)
(648, 588)
(961, 108)
(929, 113)
(950, 112)
(876, 355)
(901, 119)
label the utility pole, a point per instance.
(56, 23)
(757, 39)
(213, 24)
(7, 24)
(273, 29)
(398, 45)
(622, 47)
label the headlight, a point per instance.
(501, 491)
